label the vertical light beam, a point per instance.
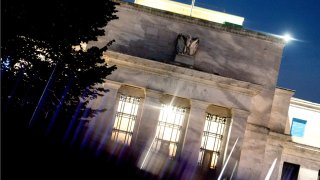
(147, 154)
(225, 165)
(271, 169)
(42, 95)
(234, 169)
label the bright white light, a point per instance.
(287, 38)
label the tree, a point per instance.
(39, 40)
(42, 58)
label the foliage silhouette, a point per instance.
(41, 52)
(48, 75)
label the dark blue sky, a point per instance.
(300, 66)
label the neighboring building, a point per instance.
(304, 122)
(294, 137)
(178, 103)
(300, 155)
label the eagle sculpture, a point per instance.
(187, 45)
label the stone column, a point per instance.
(148, 125)
(253, 151)
(237, 130)
(273, 151)
(100, 127)
(279, 114)
(193, 136)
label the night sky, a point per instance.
(300, 66)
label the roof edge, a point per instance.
(304, 103)
(201, 22)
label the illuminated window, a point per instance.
(169, 130)
(125, 119)
(211, 141)
(297, 127)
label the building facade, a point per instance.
(192, 98)
(301, 143)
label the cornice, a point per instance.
(169, 70)
(201, 22)
(295, 102)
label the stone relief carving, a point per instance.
(187, 45)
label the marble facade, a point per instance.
(233, 69)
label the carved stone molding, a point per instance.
(153, 93)
(199, 104)
(111, 84)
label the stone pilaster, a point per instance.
(253, 152)
(99, 127)
(193, 136)
(237, 130)
(148, 124)
(273, 152)
(279, 114)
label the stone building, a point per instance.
(189, 114)
(301, 142)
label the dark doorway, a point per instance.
(290, 171)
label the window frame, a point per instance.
(132, 117)
(220, 120)
(300, 121)
(156, 148)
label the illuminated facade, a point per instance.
(197, 12)
(222, 112)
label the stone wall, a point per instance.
(280, 147)
(151, 34)
(202, 89)
(280, 107)
(182, 82)
(236, 69)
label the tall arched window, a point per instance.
(126, 117)
(171, 126)
(214, 136)
(213, 133)
(128, 110)
(169, 129)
